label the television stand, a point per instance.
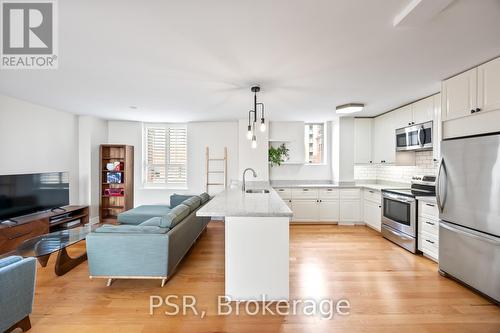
(33, 225)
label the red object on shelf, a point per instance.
(118, 166)
(114, 192)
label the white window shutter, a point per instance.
(156, 141)
(177, 156)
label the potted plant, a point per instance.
(278, 155)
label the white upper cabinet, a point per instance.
(471, 102)
(460, 95)
(402, 117)
(423, 110)
(488, 80)
(363, 140)
(384, 139)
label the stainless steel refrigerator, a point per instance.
(468, 195)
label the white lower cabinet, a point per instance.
(326, 205)
(428, 228)
(349, 211)
(305, 210)
(372, 214)
(372, 208)
(350, 206)
(328, 210)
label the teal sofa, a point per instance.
(146, 246)
(17, 289)
(143, 213)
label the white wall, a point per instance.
(92, 132)
(249, 157)
(216, 135)
(293, 132)
(343, 149)
(38, 139)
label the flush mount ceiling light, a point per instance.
(350, 108)
(252, 118)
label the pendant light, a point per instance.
(252, 118)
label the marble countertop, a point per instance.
(328, 183)
(234, 202)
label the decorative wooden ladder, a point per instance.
(208, 159)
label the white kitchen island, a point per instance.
(256, 242)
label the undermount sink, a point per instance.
(257, 191)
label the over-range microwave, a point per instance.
(415, 137)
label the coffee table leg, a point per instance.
(65, 263)
(43, 260)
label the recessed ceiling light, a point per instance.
(133, 107)
(350, 108)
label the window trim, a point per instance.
(325, 144)
(166, 185)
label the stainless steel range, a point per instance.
(399, 211)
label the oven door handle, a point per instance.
(398, 234)
(398, 198)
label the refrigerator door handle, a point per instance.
(470, 233)
(440, 203)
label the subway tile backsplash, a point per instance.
(424, 166)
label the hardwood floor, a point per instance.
(389, 289)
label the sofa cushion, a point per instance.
(204, 197)
(154, 222)
(193, 202)
(177, 199)
(131, 229)
(175, 216)
(143, 213)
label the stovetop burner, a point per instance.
(421, 186)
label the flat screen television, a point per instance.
(31, 193)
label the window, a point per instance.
(165, 158)
(315, 143)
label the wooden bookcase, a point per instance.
(111, 205)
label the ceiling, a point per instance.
(196, 60)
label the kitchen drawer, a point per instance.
(284, 193)
(328, 193)
(428, 209)
(373, 196)
(430, 244)
(428, 225)
(304, 193)
(350, 193)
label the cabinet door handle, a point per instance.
(430, 205)
(472, 111)
(329, 190)
(371, 191)
(478, 109)
(281, 190)
(430, 223)
(305, 189)
(429, 241)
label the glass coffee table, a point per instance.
(41, 247)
